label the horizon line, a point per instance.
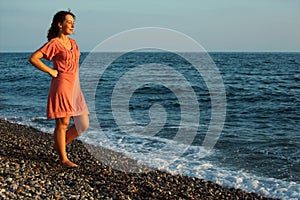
(212, 51)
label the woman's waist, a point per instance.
(66, 69)
(64, 76)
(66, 73)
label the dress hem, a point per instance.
(68, 114)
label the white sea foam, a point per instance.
(34, 122)
(193, 165)
(140, 148)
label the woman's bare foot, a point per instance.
(68, 164)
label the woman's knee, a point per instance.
(85, 126)
(81, 123)
(62, 123)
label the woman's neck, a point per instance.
(63, 37)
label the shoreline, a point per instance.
(29, 169)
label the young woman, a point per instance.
(65, 99)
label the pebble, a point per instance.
(29, 169)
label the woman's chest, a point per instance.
(67, 56)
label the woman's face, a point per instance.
(67, 26)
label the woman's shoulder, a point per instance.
(50, 43)
(53, 40)
(73, 41)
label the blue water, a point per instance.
(258, 150)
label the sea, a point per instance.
(147, 104)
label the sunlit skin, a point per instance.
(62, 136)
(66, 29)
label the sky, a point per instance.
(217, 25)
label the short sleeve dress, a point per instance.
(65, 98)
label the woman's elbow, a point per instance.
(33, 59)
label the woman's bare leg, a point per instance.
(81, 124)
(61, 126)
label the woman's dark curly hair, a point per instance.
(59, 17)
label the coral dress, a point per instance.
(65, 98)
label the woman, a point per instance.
(65, 99)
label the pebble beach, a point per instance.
(30, 169)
